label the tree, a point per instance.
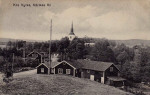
(131, 71)
(37, 46)
(29, 48)
(62, 45)
(76, 49)
(21, 44)
(122, 58)
(102, 51)
(1, 52)
(80, 50)
(9, 44)
(1, 63)
(54, 46)
(126, 70)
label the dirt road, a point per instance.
(25, 73)
(20, 74)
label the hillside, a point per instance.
(3, 41)
(57, 85)
(133, 42)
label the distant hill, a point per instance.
(5, 40)
(130, 43)
(133, 42)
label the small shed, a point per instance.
(116, 81)
(43, 68)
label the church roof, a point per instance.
(71, 33)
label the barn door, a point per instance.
(91, 77)
(82, 76)
(102, 80)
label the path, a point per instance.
(20, 74)
(25, 73)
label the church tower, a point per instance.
(71, 35)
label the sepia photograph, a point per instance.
(74, 47)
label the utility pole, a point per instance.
(50, 46)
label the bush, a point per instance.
(133, 90)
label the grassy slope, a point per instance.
(57, 85)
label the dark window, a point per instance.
(88, 71)
(60, 71)
(111, 69)
(67, 71)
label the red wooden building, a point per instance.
(103, 72)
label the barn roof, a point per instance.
(47, 64)
(34, 52)
(87, 64)
(116, 78)
(73, 63)
(95, 65)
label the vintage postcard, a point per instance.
(74, 47)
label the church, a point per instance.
(71, 35)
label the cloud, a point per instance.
(79, 13)
(48, 15)
(62, 21)
(114, 21)
(72, 14)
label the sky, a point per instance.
(111, 19)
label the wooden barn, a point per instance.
(103, 72)
(34, 56)
(98, 71)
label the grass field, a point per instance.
(57, 85)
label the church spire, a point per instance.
(71, 35)
(71, 32)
